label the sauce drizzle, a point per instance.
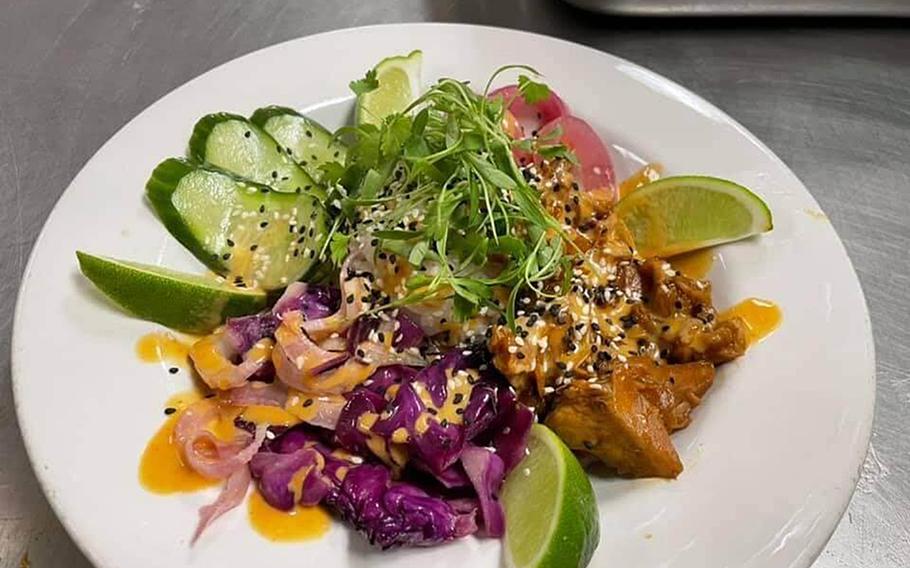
(761, 317)
(301, 523)
(644, 176)
(162, 469)
(162, 347)
(696, 264)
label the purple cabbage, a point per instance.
(486, 471)
(279, 459)
(244, 331)
(454, 470)
(384, 377)
(387, 512)
(275, 471)
(478, 452)
(394, 514)
(347, 435)
(408, 334)
(314, 301)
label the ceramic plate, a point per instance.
(772, 455)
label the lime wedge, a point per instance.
(551, 511)
(399, 85)
(185, 302)
(678, 214)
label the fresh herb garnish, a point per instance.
(531, 91)
(365, 85)
(438, 185)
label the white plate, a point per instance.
(771, 458)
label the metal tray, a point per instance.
(881, 8)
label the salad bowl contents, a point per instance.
(420, 323)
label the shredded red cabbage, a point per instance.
(448, 473)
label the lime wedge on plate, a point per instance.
(399, 85)
(185, 302)
(551, 511)
(678, 214)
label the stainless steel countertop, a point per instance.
(830, 98)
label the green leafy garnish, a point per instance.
(531, 91)
(338, 247)
(365, 85)
(437, 185)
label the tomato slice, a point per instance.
(531, 116)
(595, 168)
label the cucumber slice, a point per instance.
(186, 302)
(236, 145)
(245, 231)
(304, 139)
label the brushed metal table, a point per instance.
(832, 98)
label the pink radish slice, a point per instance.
(595, 168)
(531, 116)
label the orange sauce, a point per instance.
(696, 264)
(162, 469)
(301, 523)
(269, 415)
(162, 347)
(644, 176)
(760, 316)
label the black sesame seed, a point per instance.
(360, 353)
(253, 247)
(458, 398)
(247, 134)
(274, 174)
(308, 402)
(173, 370)
(309, 133)
(264, 224)
(350, 299)
(226, 256)
(170, 410)
(432, 410)
(520, 355)
(443, 422)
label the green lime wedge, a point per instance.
(399, 85)
(185, 302)
(680, 214)
(551, 511)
